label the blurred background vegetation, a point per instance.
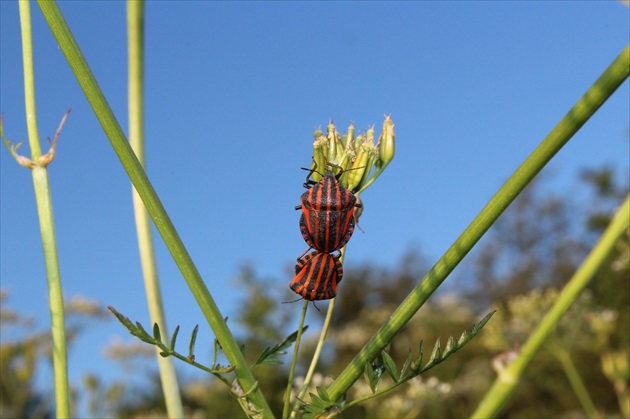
(517, 269)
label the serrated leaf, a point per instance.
(417, 364)
(371, 377)
(316, 401)
(171, 345)
(467, 336)
(270, 355)
(122, 319)
(215, 352)
(436, 354)
(450, 346)
(390, 366)
(191, 345)
(378, 366)
(136, 330)
(141, 333)
(477, 328)
(323, 394)
(156, 333)
(406, 364)
(463, 338)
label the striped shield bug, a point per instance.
(317, 275)
(327, 220)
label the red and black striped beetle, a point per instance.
(317, 276)
(327, 220)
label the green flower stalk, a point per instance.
(37, 164)
(356, 157)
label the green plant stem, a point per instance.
(378, 393)
(596, 95)
(160, 218)
(577, 384)
(318, 349)
(168, 376)
(296, 349)
(507, 379)
(47, 227)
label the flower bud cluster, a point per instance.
(361, 157)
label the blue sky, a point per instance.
(234, 92)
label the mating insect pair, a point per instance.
(327, 223)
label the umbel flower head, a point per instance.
(361, 159)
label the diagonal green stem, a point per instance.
(135, 24)
(596, 95)
(47, 227)
(577, 384)
(507, 380)
(160, 218)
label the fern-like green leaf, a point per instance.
(136, 330)
(319, 408)
(215, 352)
(451, 347)
(403, 371)
(416, 365)
(270, 355)
(371, 377)
(191, 345)
(321, 392)
(390, 366)
(171, 345)
(436, 354)
(156, 333)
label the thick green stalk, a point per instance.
(596, 95)
(507, 379)
(160, 218)
(46, 223)
(135, 25)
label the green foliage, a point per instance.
(270, 355)
(138, 331)
(321, 406)
(385, 363)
